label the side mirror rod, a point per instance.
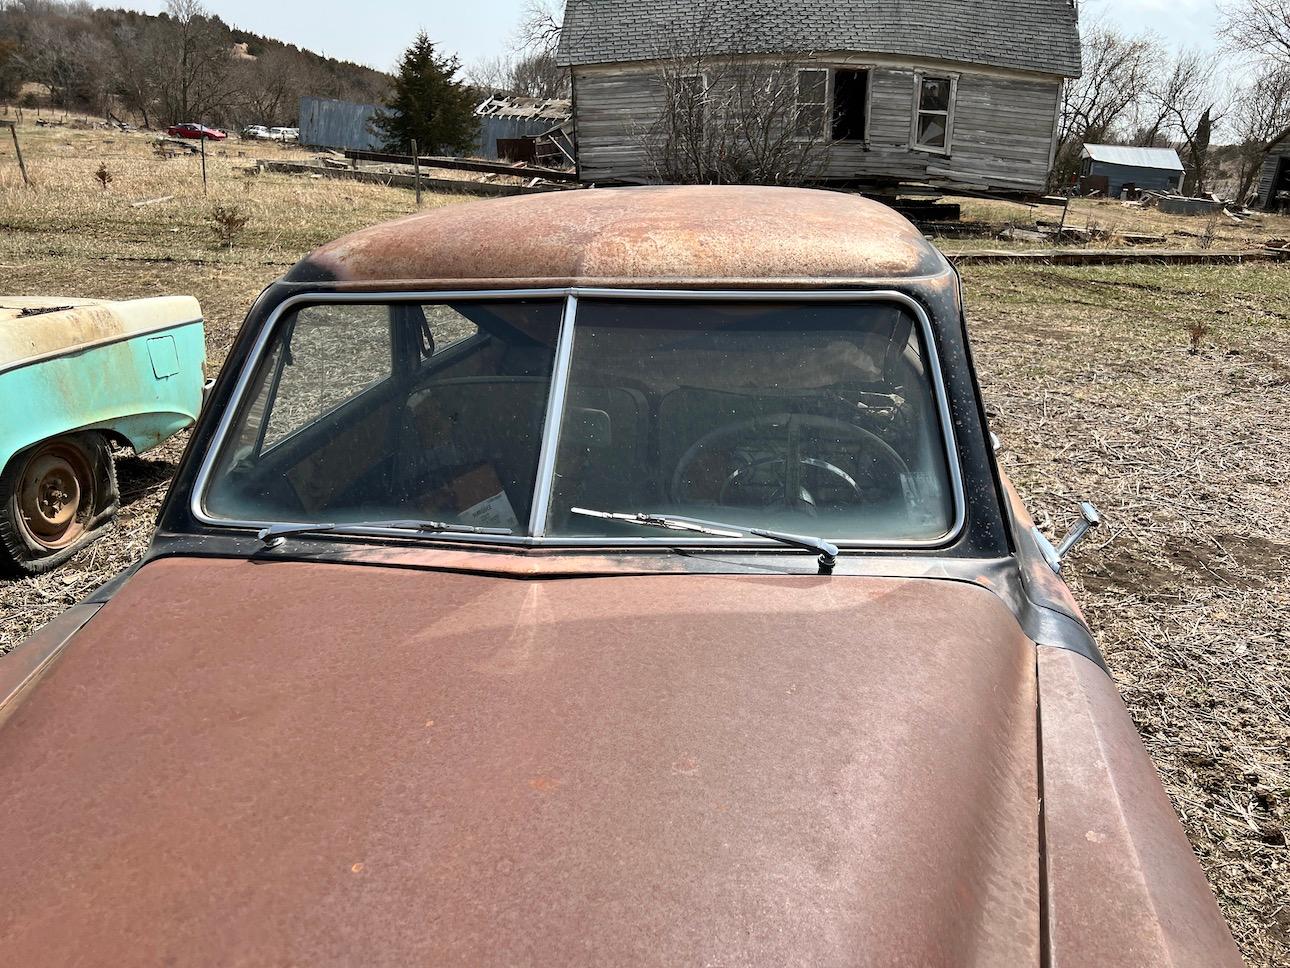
(1089, 519)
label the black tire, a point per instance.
(55, 498)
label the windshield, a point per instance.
(813, 417)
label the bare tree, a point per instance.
(733, 118)
(1261, 27)
(1188, 103)
(269, 87)
(540, 25)
(532, 74)
(1260, 115)
(194, 64)
(1097, 105)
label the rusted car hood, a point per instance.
(292, 763)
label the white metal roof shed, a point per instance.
(1165, 159)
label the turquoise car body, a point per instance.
(132, 370)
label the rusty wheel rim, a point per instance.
(55, 496)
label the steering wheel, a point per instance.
(771, 467)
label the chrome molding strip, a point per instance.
(545, 481)
(556, 401)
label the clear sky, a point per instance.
(374, 32)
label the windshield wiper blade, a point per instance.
(275, 534)
(827, 550)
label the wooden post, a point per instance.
(22, 165)
(416, 171)
(202, 139)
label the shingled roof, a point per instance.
(1034, 35)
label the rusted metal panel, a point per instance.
(645, 236)
(1123, 886)
(455, 769)
(22, 667)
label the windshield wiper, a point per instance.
(275, 534)
(827, 551)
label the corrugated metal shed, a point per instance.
(327, 123)
(1165, 159)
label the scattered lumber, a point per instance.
(459, 185)
(1077, 257)
(1014, 234)
(152, 201)
(520, 169)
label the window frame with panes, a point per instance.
(921, 80)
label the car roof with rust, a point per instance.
(709, 237)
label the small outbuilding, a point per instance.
(1274, 180)
(1154, 169)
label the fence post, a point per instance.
(22, 165)
(416, 170)
(202, 139)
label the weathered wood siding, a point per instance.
(612, 117)
(1001, 138)
(1271, 165)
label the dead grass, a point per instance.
(1092, 387)
(1087, 373)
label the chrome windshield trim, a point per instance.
(559, 384)
(544, 483)
(952, 462)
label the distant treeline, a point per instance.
(182, 65)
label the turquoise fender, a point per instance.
(133, 370)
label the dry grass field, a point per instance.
(1109, 220)
(1090, 379)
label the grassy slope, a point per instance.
(1086, 372)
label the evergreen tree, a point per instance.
(428, 104)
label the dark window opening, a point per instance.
(850, 97)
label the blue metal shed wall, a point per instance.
(492, 128)
(325, 123)
(1156, 179)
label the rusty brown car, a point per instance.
(601, 577)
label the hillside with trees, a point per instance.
(182, 65)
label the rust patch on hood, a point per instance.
(324, 764)
(735, 235)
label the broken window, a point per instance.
(934, 112)
(850, 105)
(691, 102)
(812, 102)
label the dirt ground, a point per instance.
(1090, 380)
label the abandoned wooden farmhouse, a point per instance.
(938, 92)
